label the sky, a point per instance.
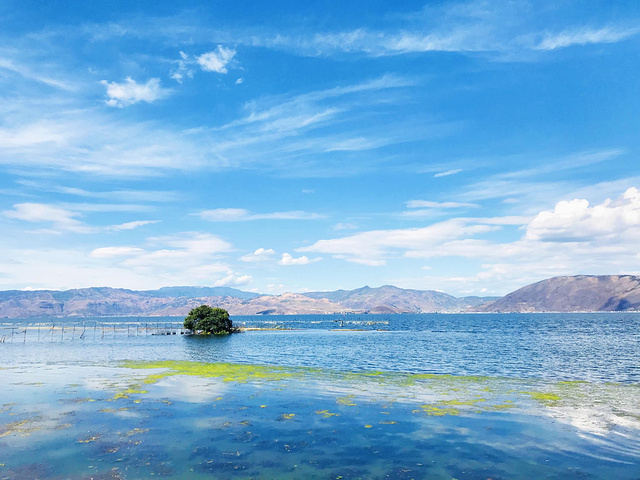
(468, 147)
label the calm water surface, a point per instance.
(593, 347)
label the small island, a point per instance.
(205, 320)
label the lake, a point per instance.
(465, 396)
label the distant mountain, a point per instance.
(560, 294)
(195, 292)
(177, 301)
(582, 293)
(105, 301)
(390, 299)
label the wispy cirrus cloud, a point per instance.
(551, 178)
(280, 134)
(447, 173)
(63, 219)
(28, 73)
(131, 225)
(585, 36)
(242, 215)
(373, 247)
(419, 209)
(511, 30)
(60, 218)
(117, 252)
(432, 204)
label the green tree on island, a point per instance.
(208, 320)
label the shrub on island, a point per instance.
(207, 320)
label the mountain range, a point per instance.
(558, 294)
(581, 293)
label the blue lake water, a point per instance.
(360, 396)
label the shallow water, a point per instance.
(433, 396)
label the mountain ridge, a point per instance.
(579, 293)
(168, 301)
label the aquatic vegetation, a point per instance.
(544, 397)
(437, 411)
(228, 372)
(327, 413)
(287, 416)
(93, 438)
(78, 400)
(346, 401)
(24, 427)
(135, 431)
(497, 408)
(461, 402)
(433, 394)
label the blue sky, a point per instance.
(468, 147)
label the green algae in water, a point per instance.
(468, 394)
(228, 372)
(544, 397)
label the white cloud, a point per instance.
(132, 225)
(216, 60)
(356, 144)
(38, 212)
(239, 81)
(232, 280)
(572, 238)
(194, 242)
(111, 252)
(372, 246)
(188, 257)
(130, 92)
(62, 268)
(63, 219)
(576, 221)
(370, 262)
(288, 259)
(260, 255)
(242, 215)
(584, 36)
(447, 173)
(183, 69)
(41, 132)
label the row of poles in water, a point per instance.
(62, 331)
